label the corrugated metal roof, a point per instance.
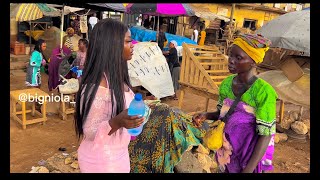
(205, 13)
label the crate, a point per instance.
(17, 48)
(13, 38)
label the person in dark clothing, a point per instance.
(221, 30)
(146, 23)
(161, 38)
(76, 26)
(172, 55)
(174, 65)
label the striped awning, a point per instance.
(31, 11)
(114, 6)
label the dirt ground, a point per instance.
(38, 141)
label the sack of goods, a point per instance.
(69, 86)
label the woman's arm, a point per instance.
(124, 120)
(165, 52)
(258, 152)
(200, 117)
(172, 53)
(213, 115)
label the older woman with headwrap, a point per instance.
(174, 65)
(71, 40)
(249, 131)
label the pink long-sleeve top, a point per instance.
(98, 151)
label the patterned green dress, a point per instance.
(168, 133)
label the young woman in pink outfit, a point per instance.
(101, 117)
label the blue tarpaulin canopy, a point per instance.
(141, 34)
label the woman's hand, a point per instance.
(43, 62)
(258, 152)
(74, 75)
(245, 170)
(197, 119)
(126, 121)
(129, 122)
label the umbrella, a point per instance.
(31, 11)
(157, 9)
(289, 31)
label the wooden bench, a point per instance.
(23, 96)
(64, 110)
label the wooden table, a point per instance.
(16, 96)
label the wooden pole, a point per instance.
(158, 28)
(154, 23)
(24, 116)
(232, 12)
(87, 33)
(61, 26)
(207, 104)
(30, 34)
(181, 98)
(281, 111)
(182, 26)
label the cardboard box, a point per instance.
(291, 69)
